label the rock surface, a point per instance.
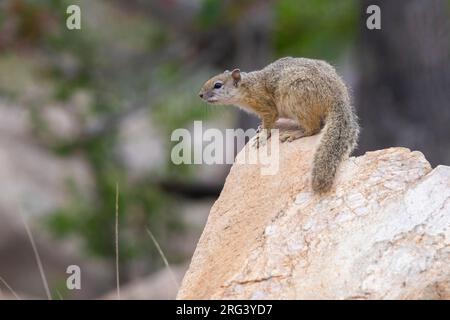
(383, 232)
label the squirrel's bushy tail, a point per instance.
(339, 139)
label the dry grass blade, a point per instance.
(161, 253)
(117, 241)
(9, 288)
(38, 259)
(60, 297)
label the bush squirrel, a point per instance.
(306, 90)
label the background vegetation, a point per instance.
(146, 60)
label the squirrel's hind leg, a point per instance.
(303, 131)
(291, 135)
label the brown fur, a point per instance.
(306, 90)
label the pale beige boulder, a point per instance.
(383, 232)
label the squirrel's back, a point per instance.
(311, 92)
(285, 73)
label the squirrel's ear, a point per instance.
(236, 75)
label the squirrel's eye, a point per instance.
(217, 85)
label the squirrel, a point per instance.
(308, 91)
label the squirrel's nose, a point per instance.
(200, 95)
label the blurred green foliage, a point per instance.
(315, 29)
(141, 202)
(96, 68)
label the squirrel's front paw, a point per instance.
(261, 138)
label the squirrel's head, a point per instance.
(222, 88)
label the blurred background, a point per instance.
(84, 110)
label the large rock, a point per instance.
(383, 232)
